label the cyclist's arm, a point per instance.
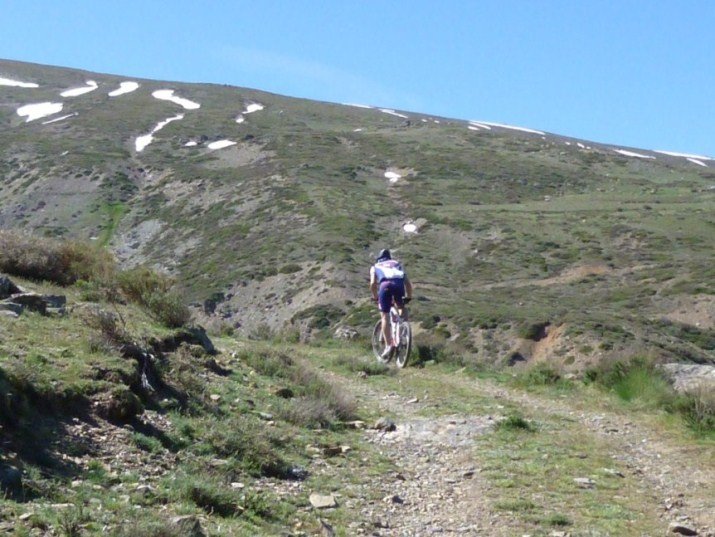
(373, 283)
(408, 287)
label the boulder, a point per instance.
(10, 481)
(690, 378)
(30, 301)
(187, 526)
(7, 287)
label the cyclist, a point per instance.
(388, 282)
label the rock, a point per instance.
(611, 471)
(585, 482)
(186, 526)
(393, 499)
(202, 338)
(681, 529)
(215, 397)
(357, 424)
(55, 301)
(385, 424)
(30, 301)
(690, 378)
(265, 416)
(345, 332)
(7, 287)
(10, 481)
(8, 309)
(320, 501)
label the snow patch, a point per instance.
(632, 154)
(409, 227)
(357, 130)
(124, 87)
(392, 176)
(686, 155)
(581, 145)
(567, 143)
(142, 141)
(55, 120)
(473, 128)
(75, 92)
(512, 127)
(192, 143)
(479, 125)
(253, 107)
(220, 144)
(168, 95)
(38, 110)
(392, 112)
(240, 118)
(358, 105)
(17, 84)
(698, 162)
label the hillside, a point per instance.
(113, 423)
(269, 209)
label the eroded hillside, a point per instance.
(270, 208)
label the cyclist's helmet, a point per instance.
(383, 255)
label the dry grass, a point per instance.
(61, 262)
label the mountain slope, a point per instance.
(501, 229)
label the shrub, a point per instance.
(61, 262)
(153, 290)
(515, 423)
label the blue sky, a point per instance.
(626, 72)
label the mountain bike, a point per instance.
(401, 336)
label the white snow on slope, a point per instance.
(473, 128)
(686, 155)
(168, 95)
(142, 141)
(392, 176)
(38, 110)
(240, 118)
(392, 112)
(15, 83)
(220, 144)
(632, 154)
(357, 105)
(55, 120)
(124, 87)
(698, 162)
(253, 107)
(191, 143)
(74, 92)
(512, 127)
(410, 228)
(479, 125)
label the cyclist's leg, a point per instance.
(384, 299)
(399, 296)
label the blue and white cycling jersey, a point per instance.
(389, 270)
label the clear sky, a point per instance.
(633, 73)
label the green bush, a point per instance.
(153, 290)
(515, 423)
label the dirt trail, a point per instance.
(438, 489)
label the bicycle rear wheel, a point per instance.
(378, 343)
(405, 346)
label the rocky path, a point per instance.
(438, 490)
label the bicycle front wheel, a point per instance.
(405, 346)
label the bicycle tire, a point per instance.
(403, 350)
(378, 344)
